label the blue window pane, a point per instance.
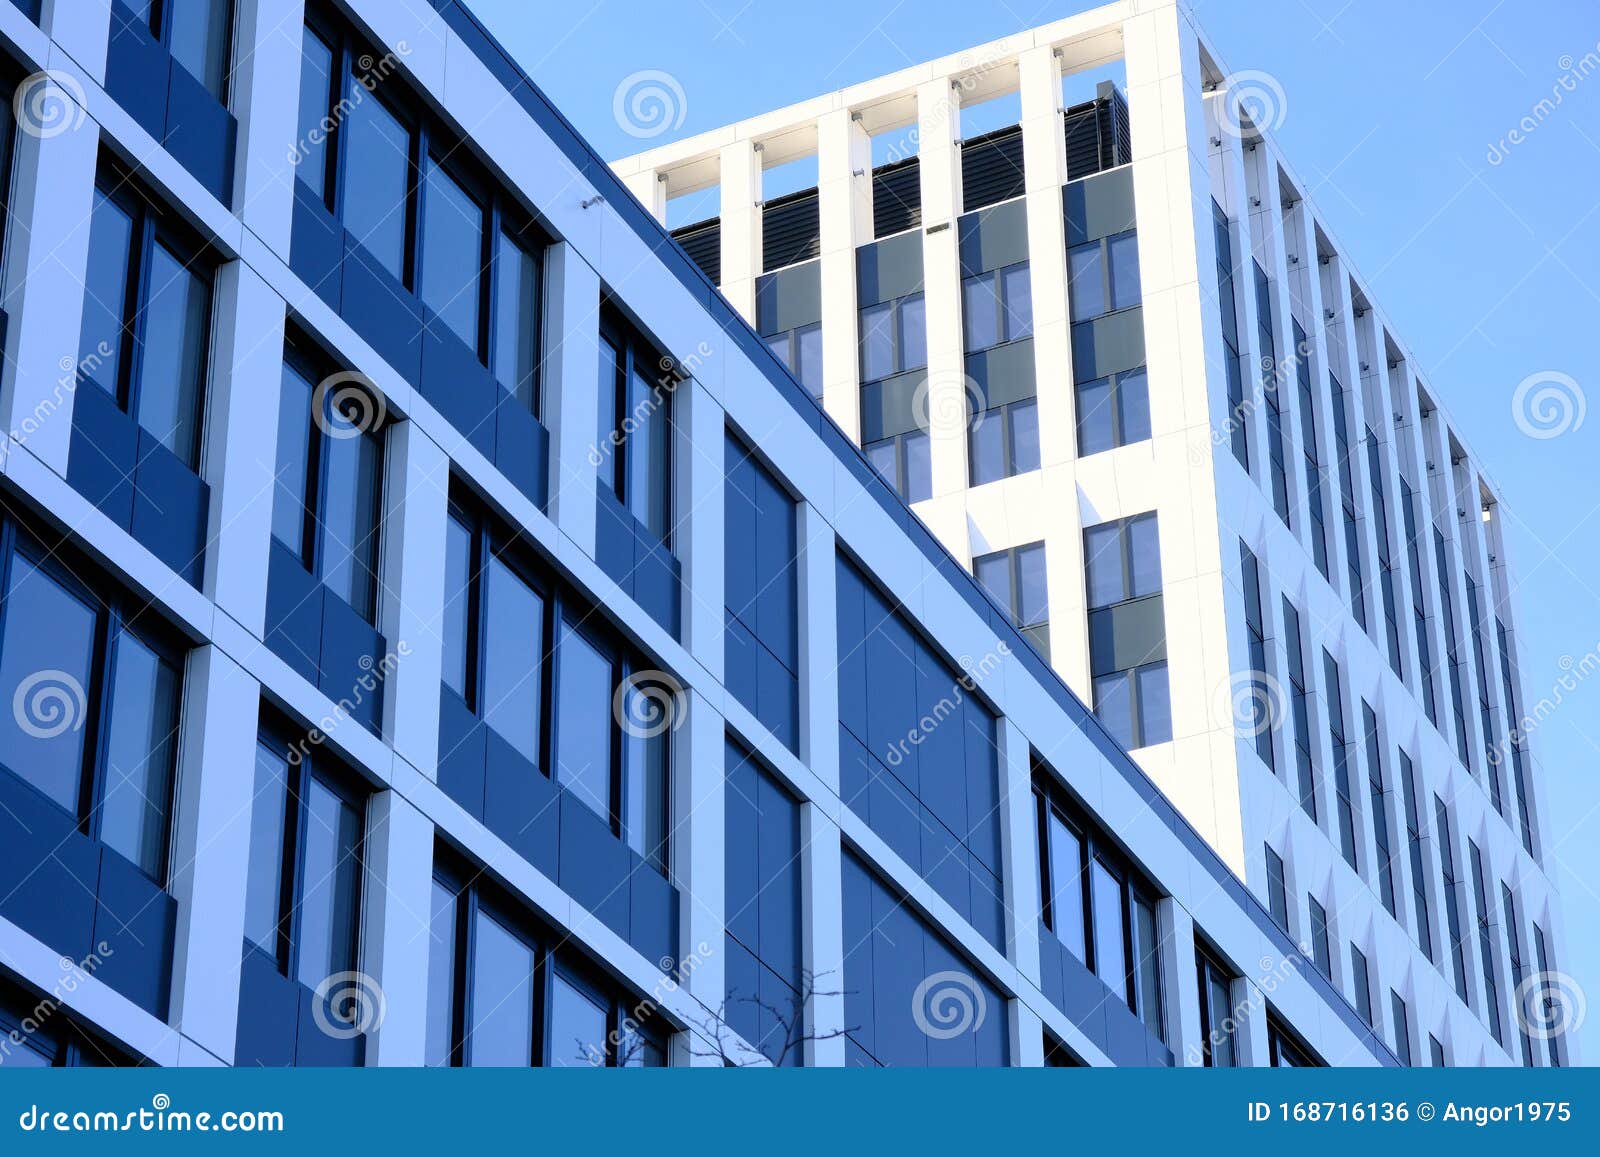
(884, 459)
(583, 720)
(919, 468)
(577, 1027)
(441, 976)
(513, 644)
(1066, 886)
(877, 342)
(141, 746)
(1019, 301)
(605, 445)
(331, 882)
(501, 1032)
(1145, 554)
(646, 450)
(1110, 931)
(263, 898)
(1086, 277)
(46, 658)
(457, 603)
(293, 465)
(105, 293)
(1096, 422)
(808, 345)
(1155, 704)
(1124, 270)
(1033, 604)
(988, 447)
(174, 350)
(452, 254)
(316, 87)
(200, 41)
(913, 332)
(980, 312)
(779, 344)
(1113, 706)
(644, 805)
(516, 319)
(1103, 557)
(377, 174)
(993, 573)
(1133, 399)
(349, 515)
(1024, 437)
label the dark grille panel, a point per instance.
(991, 168)
(791, 230)
(896, 197)
(703, 243)
(1097, 134)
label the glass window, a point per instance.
(1024, 420)
(988, 447)
(200, 41)
(980, 312)
(1018, 296)
(174, 350)
(293, 464)
(606, 459)
(1113, 706)
(349, 516)
(877, 341)
(577, 1026)
(1133, 405)
(646, 450)
(441, 977)
(919, 468)
(502, 997)
(1032, 602)
(913, 332)
(513, 645)
(993, 573)
(644, 805)
(1110, 929)
(1147, 964)
(1086, 277)
(583, 721)
(1124, 250)
(808, 351)
(377, 180)
(1104, 550)
(105, 295)
(452, 253)
(885, 460)
(457, 603)
(1066, 886)
(1096, 418)
(46, 668)
(1155, 704)
(140, 751)
(316, 88)
(1144, 554)
(330, 886)
(516, 319)
(263, 901)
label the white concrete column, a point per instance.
(1027, 1036)
(1019, 849)
(396, 913)
(822, 936)
(651, 189)
(241, 444)
(819, 647)
(416, 516)
(83, 29)
(46, 261)
(1250, 1017)
(1181, 998)
(570, 395)
(1044, 150)
(844, 196)
(265, 77)
(945, 404)
(698, 868)
(741, 225)
(211, 846)
(701, 427)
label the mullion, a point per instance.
(97, 707)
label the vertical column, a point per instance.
(844, 193)
(46, 265)
(240, 453)
(819, 647)
(211, 841)
(700, 748)
(571, 390)
(396, 928)
(1250, 1015)
(1182, 1004)
(701, 426)
(1019, 847)
(416, 513)
(651, 189)
(1027, 1036)
(741, 225)
(267, 52)
(822, 936)
(945, 404)
(1044, 150)
(83, 29)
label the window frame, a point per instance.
(1013, 605)
(1115, 398)
(1107, 281)
(901, 483)
(160, 24)
(897, 337)
(1003, 313)
(1006, 415)
(634, 350)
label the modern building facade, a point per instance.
(1113, 356)
(438, 630)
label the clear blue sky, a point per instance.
(1490, 271)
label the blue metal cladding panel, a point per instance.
(49, 871)
(522, 449)
(613, 548)
(520, 803)
(269, 1013)
(136, 921)
(382, 311)
(1098, 206)
(137, 70)
(459, 387)
(200, 133)
(351, 665)
(653, 916)
(462, 753)
(170, 507)
(316, 245)
(656, 580)
(294, 613)
(595, 864)
(317, 1048)
(103, 454)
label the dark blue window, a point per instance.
(1377, 796)
(198, 34)
(1113, 411)
(1103, 276)
(1344, 793)
(1238, 411)
(635, 427)
(1386, 577)
(1419, 866)
(1300, 708)
(1452, 899)
(762, 592)
(1218, 1021)
(1270, 378)
(1127, 630)
(894, 337)
(1015, 579)
(1308, 447)
(1261, 707)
